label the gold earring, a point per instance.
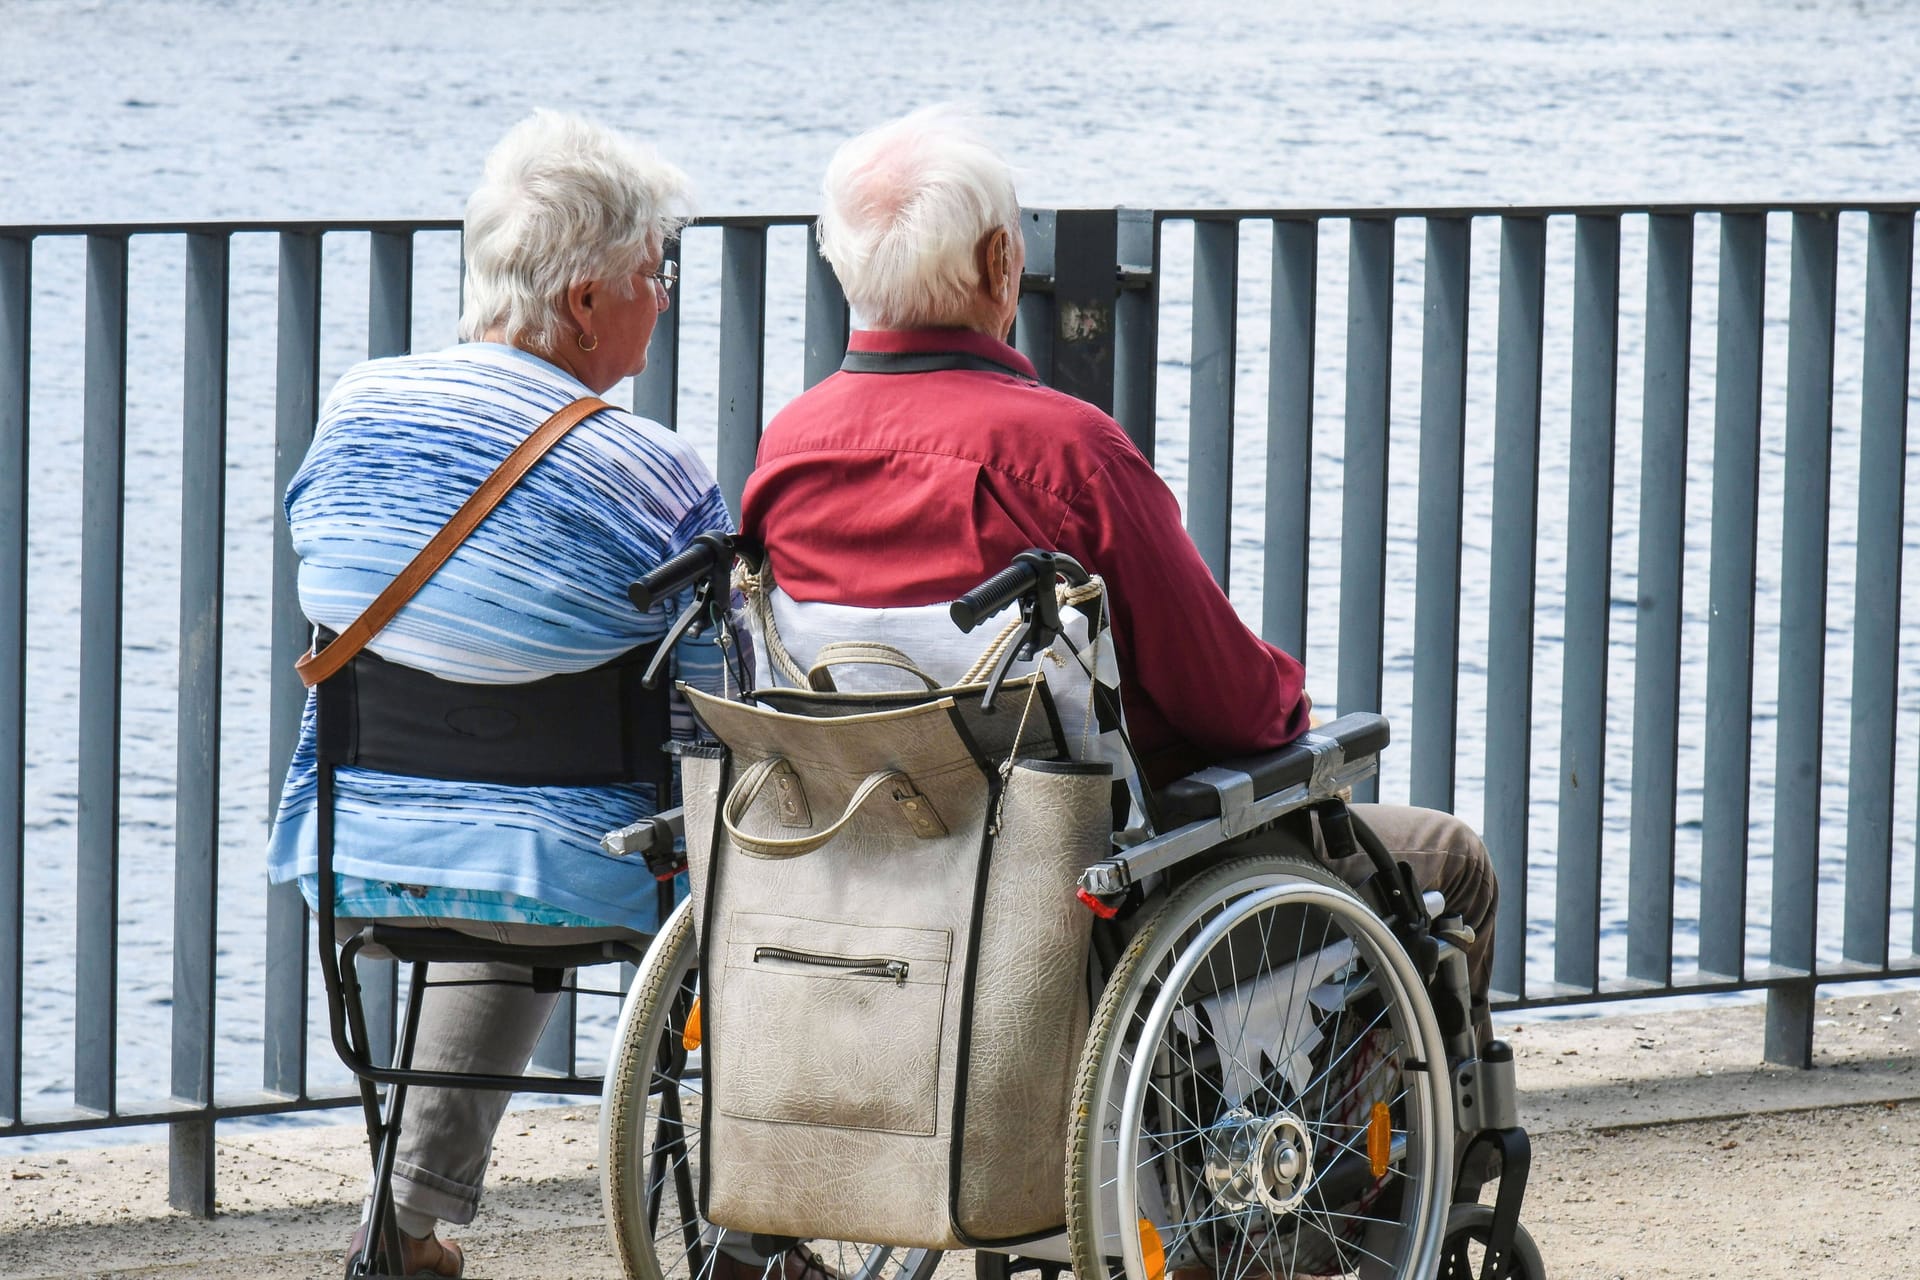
(580, 340)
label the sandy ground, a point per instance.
(1661, 1149)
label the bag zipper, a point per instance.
(867, 967)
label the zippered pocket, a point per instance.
(837, 1024)
(851, 966)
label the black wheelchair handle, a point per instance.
(1028, 570)
(671, 577)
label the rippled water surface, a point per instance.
(177, 110)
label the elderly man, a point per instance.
(935, 455)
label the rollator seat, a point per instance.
(450, 946)
(1198, 796)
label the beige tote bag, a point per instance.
(893, 960)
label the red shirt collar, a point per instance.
(918, 341)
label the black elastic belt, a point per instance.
(925, 362)
(586, 728)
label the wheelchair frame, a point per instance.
(1207, 810)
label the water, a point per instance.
(175, 109)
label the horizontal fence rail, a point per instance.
(1604, 506)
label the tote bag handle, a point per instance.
(919, 813)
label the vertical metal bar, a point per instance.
(1216, 290)
(1876, 585)
(297, 399)
(1033, 327)
(1736, 486)
(389, 294)
(1516, 485)
(1803, 626)
(16, 324)
(196, 865)
(554, 1050)
(1656, 665)
(1086, 252)
(389, 333)
(97, 889)
(1136, 360)
(1363, 513)
(656, 392)
(1443, 442)
(827, 317)
(743, 323)
(1583, 713)
(1296, 269)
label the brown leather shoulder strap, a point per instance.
(316, 667)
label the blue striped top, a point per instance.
(539, 588)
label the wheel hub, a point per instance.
(1258, 1162)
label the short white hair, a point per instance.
(904, 208)
(563, 201)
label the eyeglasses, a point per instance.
(667, 276)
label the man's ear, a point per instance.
(996, 259)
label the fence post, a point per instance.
(1033, 327)
(1086, 283)
(1136, 327)
(196, 873)
(1516, 497)
(1216, 293)
(296, 405)
(1443, 442)
(16, 317)
(1803, 636)
(1583, 714)
(97, 891)
(743, 325)
(1656, 643)
(1363, 510)
(827, 318)
(1736, 485)
(1876, 587)
(656, 392)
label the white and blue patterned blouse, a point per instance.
(539, 588)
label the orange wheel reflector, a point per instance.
(1152, 1252)
(1379, 1139)
(690, 1037)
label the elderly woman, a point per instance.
(565, 281)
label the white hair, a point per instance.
(563, 201)
(905, 207)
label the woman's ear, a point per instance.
(580, 300)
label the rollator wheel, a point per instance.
(650, 1144)
(1466, 1251)
(1264, 1092)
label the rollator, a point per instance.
(952, 975)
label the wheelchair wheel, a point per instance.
(1466, 1253)
(650, 1142)
(1264, 1091)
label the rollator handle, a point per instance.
(707, 552)
(708, 562)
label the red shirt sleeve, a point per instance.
(1188, 664)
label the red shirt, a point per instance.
(888, 489)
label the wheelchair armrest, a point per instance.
(1205, 809)
(1211, 791)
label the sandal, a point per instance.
(431, 1257)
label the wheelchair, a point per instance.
(1278, 1079)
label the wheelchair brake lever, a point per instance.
(690, 622)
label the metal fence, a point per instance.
(1426, 593)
